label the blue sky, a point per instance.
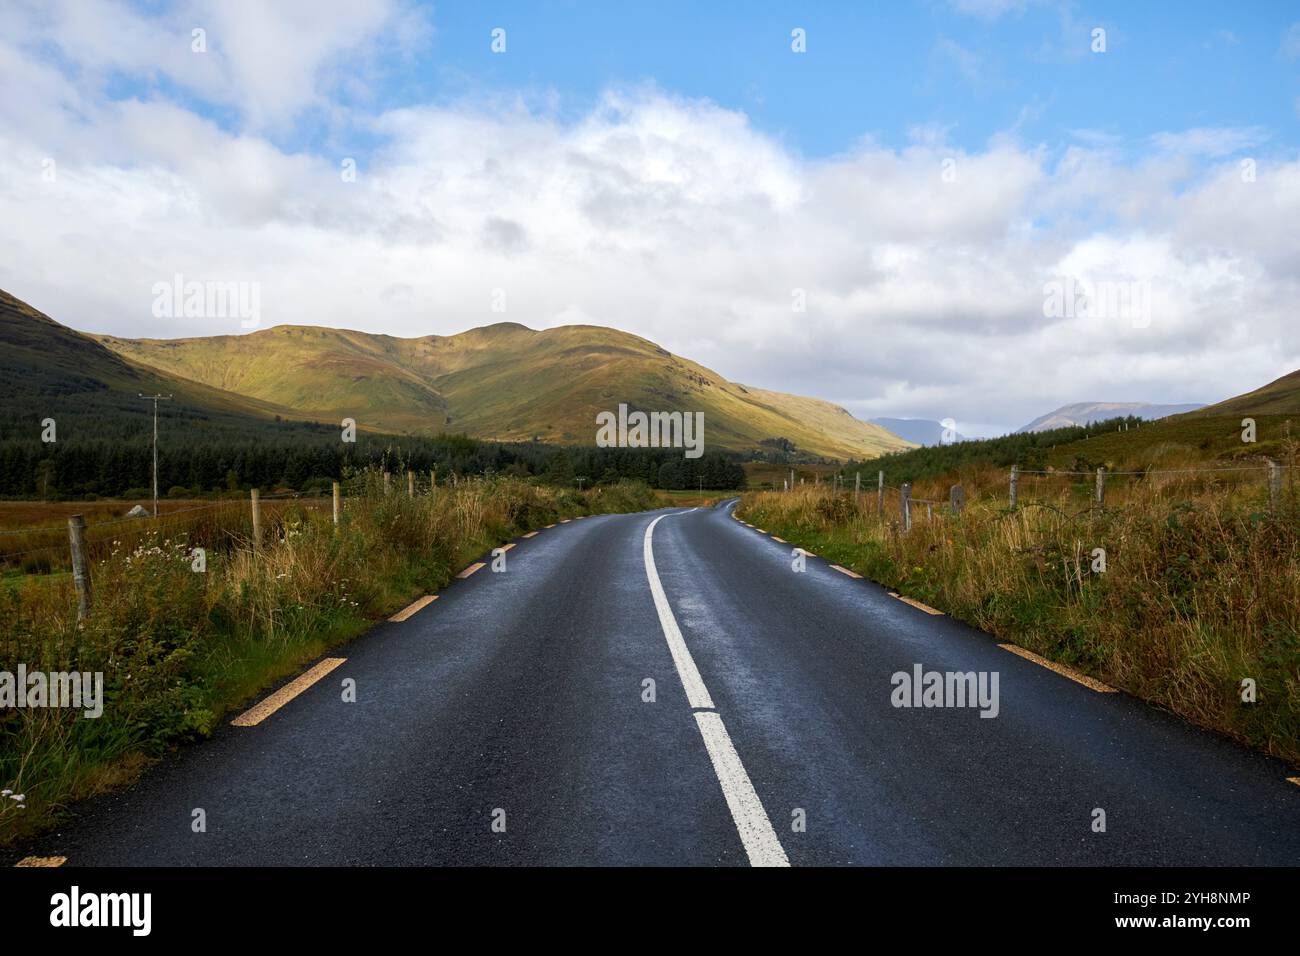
(677, 171)
(871, 69)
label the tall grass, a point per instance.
(1201, 587)
(179, 649)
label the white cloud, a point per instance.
(674, 219)
(268, 61)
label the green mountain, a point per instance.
(51, 371)
(504, 382)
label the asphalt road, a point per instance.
(517, 699)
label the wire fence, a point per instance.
(1022, 480)
(246, 507)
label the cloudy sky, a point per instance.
(883, 219)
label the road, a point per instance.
(506, 724)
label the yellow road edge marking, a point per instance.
(1061, 669)
(470, 570)
(409, 610)
(565, 520)
(549, 526)
(782, 540)
(531, 534)
(507, 547)
(852, 574)
(42, 861)
(916, 604)
(1295, 780)
(259, 712)
(759, 530)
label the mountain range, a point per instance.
(1085, 413)
(503, 382)
(920, 431)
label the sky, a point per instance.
(966, 209)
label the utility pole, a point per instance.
(155, 399)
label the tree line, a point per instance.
(1028, 450)
(305, 460)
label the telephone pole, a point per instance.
(155, 399)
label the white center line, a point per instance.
(752, 823)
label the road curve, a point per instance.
(507, 723)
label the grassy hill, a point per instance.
(503, 382)
(1280, 397)
(50, 371)
(1209, 434)
(1206, 436)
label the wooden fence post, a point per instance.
(410, 484)
(1101, 487)
(1015, 478)
(880, 493)
(905, 500)
(80, 566)
(857, 485)
(956, 498)
(337, 503)
(256, 502)
(1274, 485)
(388, 480)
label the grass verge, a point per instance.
(179, 649)
(1200, 590)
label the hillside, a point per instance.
(1207, 436)
(1086, 413)
(504, 382)
(1279, 397)
(50, 371)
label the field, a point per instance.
(1198, 589)
(769, 476)
(179, 648)
(34, 534)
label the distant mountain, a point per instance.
(1279, 397)
(505, 382)
(1085, 413)
(919, 431)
